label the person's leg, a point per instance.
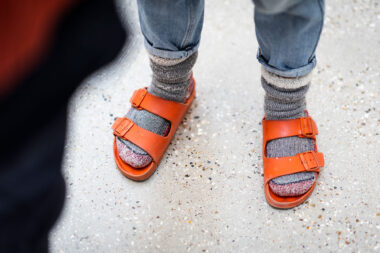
(288, 33)
(172, 32)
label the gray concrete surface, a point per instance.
(207, 195)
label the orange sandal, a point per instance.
(155, 145)
(304, 127)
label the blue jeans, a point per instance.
(287, 31)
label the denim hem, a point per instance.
(170, 54)
(298, 72)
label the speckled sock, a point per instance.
(171, 81)
(285, 99)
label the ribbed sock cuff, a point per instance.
(285, 82)
(166, 61)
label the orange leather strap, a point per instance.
(166, 109)
(280, 166)
(154, 144)
(304, 127)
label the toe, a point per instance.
(135, 160)
(292, 185)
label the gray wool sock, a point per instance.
(170, 81)
(285, 103)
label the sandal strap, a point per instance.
(154, 144)
(309, 161)
(303, 127)
(169, 110)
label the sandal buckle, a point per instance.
(121, 126)
(309, 161)
(307, 128)
(138, 97)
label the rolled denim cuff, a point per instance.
(170, 54)
(298, 72)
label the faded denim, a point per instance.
(287, 31)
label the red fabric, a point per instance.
(25, 28)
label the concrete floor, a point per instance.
(207, 194)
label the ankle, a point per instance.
(285, 98)
(171, 77)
